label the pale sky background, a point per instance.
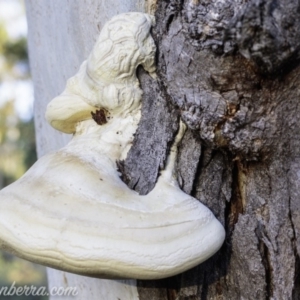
(12, 15)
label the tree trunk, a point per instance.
(230, 70)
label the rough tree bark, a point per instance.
(230, 70)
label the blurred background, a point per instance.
(17, 140)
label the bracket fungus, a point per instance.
(71, 211)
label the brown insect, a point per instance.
(99, 117)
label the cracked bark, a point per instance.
(231, 70)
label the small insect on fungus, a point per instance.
(99, 117)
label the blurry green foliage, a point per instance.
(17, 145)
(3, 37)
(15, 51)
(23, 273)
(17, 140)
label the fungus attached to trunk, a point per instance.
(71, 211)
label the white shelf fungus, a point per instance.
(71, 210)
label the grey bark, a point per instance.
(230, 70)
(154, 136)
